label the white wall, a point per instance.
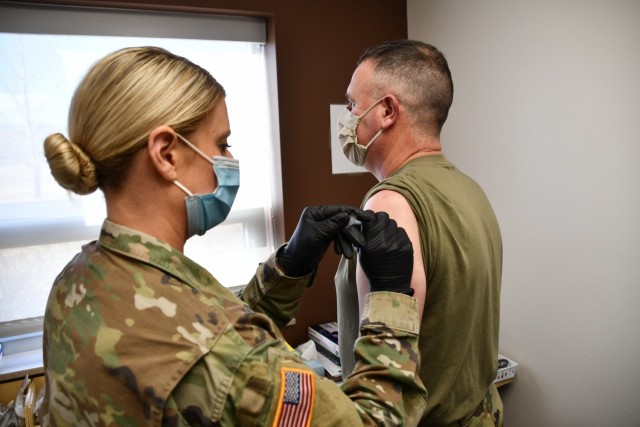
(546, 116)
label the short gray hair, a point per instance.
(418, 74)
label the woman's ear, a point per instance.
(162, 145)
(391, 110)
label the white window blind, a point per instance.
(22, 18)
(44, 52)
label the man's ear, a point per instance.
(162, 145)
(391, 110)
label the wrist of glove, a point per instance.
(407, 290)
(317, 228)
(387, 256)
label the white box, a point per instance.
(508, 371)
(326, 336)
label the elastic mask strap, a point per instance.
(374, 138)
(196, 149)
(183, 188)
(370, 108)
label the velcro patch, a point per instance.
(296, 398)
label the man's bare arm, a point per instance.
(398, 209)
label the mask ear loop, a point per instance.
(183, 188)
(364, 113)
(374, 138)
(196, 149)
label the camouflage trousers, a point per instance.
(489, 412)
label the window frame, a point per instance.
(53, 19)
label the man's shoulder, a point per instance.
(388, 200)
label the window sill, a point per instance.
(21, 349)
(17, 366)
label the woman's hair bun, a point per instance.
(71, 167)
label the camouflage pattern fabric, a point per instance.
(138, 334)
(489, 413)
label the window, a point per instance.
(41, 225)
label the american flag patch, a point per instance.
(296, 399)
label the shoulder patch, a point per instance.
(297, 392)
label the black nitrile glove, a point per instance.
(387, 256)
(351, 235)
(317, 228)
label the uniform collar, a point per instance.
(153, 251)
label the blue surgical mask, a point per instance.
(205, 211)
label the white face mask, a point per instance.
(348, 138)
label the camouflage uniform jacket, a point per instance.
(138, 334)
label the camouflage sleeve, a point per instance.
(273, 293)
(262, 383)
(385, 385)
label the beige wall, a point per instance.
(546, 116)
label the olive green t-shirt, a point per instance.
(462, 254)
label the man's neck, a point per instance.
(411, 150)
